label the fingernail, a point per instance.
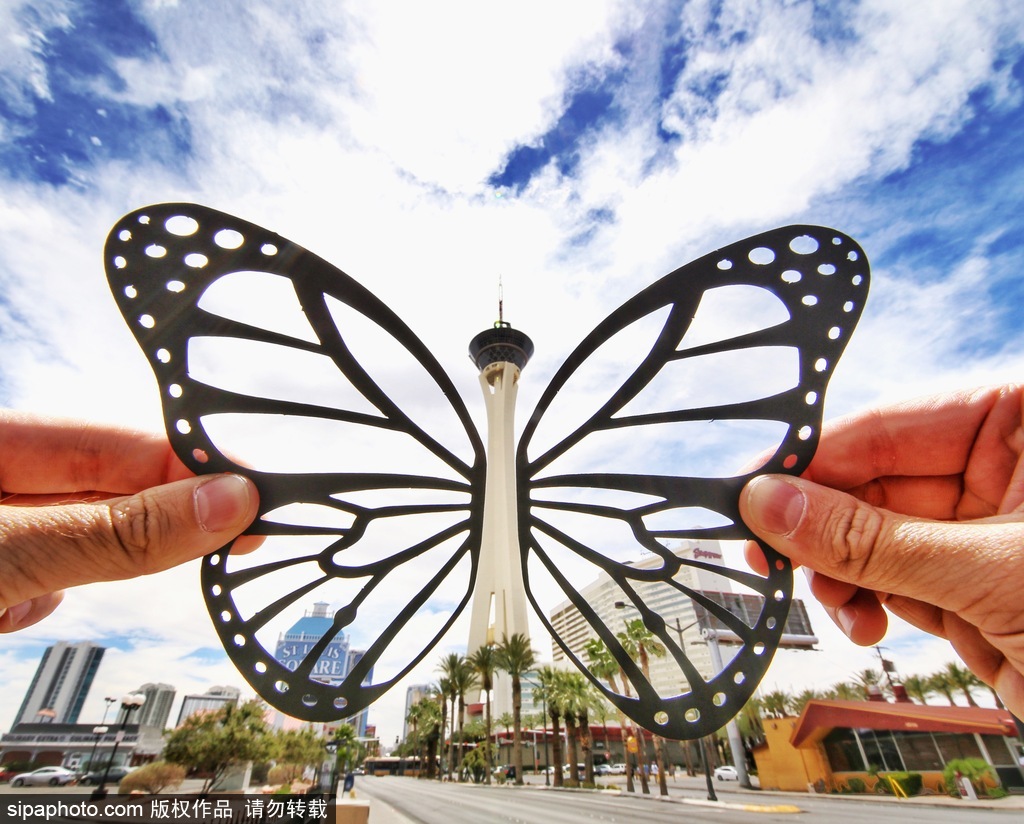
(847, 617)
(775, 505)
(16, 613)
(221, 502)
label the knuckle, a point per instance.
(856, 532)
(138, 526)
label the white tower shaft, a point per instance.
(499, 599)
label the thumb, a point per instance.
(938, 562)
(48, 548)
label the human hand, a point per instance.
(918, 507)
(81, 503)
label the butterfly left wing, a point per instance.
(255, 343)
(790, 299)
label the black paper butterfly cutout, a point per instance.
(346, 525)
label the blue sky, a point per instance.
(579, 152)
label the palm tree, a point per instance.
(463, 681)
(454, 673)
(962, 679)
(515, 657)
(580, 698)
(604, 667)
(550, 679)
(796, 703)
(775, 703)
(866, 679)
(845, 691)
(917, 686)
(483, 662)
(939, 682)
(639, 644)
(444, 689)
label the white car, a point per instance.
(726, 773)
(44, 776)
(618, 769)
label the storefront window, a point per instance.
(919, 751)
(998, 750)
(880, 749)
(957, 745)
(843, 752)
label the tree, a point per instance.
(483, 661)
(458, 676)
(444, 688)
(939, 682)
(549, 692)
(515, 657)
(866, 679)
(298, 749)
(604, 667)
(775, 704)
(213, 742)
(639, 643)
(845, 691)
(796, 703)
(424, 718)
(918, 687)
(962, 679)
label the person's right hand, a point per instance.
(918, 508)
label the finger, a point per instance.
(861, 618)
(43, 549)
(28, 613)
(45, 455)
(928, 436)
(849, 540)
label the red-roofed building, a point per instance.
(834, 741)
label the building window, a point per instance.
(953, 745)
(843, 752)
(919, 751)
(999, 750)
(880, 749)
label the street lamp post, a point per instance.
(99, 732)
(700, 741)
(332, 750)
(129, 703)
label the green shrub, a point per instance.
(976, 770)
(153, 778)
(855, 785)
(910, 783)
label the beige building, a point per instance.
(680, 612)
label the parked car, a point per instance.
(726, 773)
(52, 776)
(114, 776)
(618, 769)
(6, 775)
(602, 769)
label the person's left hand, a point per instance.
(81, 502)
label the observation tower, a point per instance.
(499, 599)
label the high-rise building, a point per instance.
(337, 659)
(156, 710)
(212, 700)
(413, 695)
(61, 683)
(683, 615)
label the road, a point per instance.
(408, 801)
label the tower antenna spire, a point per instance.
(501, 303)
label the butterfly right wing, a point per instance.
(608, 496)
(254, 343)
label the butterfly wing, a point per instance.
(252, 343)
(795, 295)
